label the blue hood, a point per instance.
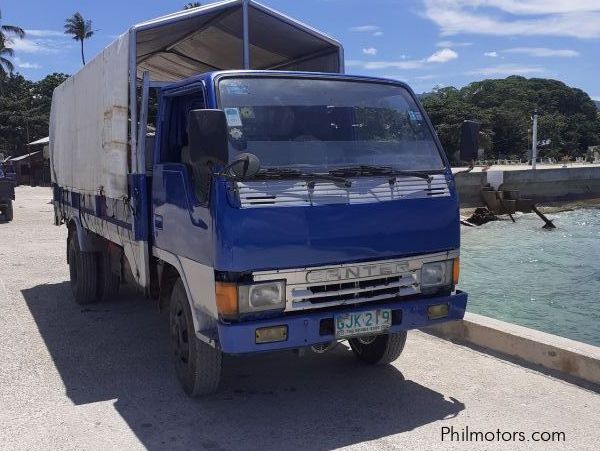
(253, 239)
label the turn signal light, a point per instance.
(227, 298)
(456, 271)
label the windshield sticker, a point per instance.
(233, 117)
(247, 112)
(415, 116)
(236, 133)
(236, 89)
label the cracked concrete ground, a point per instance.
(100, 378)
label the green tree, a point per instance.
(6, 65)
(25, 110)
(80, 28)
(7, 32)
(568, 117)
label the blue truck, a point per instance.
(220, 160)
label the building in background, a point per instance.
(33, 168)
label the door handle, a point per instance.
(158, 222)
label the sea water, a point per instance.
(544, 279)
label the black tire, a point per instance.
(379, 349)
(83, 270)
(198, 365)
(8, 212)
(108, 281)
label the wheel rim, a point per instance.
(180, 336)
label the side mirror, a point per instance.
(207, 136)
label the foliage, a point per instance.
(25, 110)
(6, 65)
(80, 28)
(567, 116)
(7, 33)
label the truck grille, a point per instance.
(293, 193)
(326, 286)
(357, 291)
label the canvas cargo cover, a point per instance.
(94, 123)
(89, 125)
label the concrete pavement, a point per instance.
(100, 378)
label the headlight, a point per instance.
(436, 274)
(262, 296)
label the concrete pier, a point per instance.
(543, 184)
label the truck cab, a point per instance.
(323, 209)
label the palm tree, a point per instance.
(6, 31)
(192, 5)
(6, 65)
(80, 28)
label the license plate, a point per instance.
(370, 322)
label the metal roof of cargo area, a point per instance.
(231, 34)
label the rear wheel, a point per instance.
(82, 271)
(198, 365)
(109, 280)
(378, 349)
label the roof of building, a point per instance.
(23, 157)
(45, 140)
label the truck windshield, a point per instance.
(318, 125)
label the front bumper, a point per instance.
(308, 329)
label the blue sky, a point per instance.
(424, 42)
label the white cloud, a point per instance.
(442, 56)
(597, 98)
(575, 18)
(41, 41)
(25, 64)
(427, 77)
(506, 69)
(406, 64)
(44, 33)
(370, 51)
(453, 44)
(366, 29)
(375, 30)
(542, 52)
(491, 54)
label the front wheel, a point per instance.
(378, 349)
(9, 211)
(198, 365)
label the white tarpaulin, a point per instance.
(88, 125)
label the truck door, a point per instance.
(181, 220)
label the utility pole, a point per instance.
(534, 139)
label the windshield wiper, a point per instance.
(310, 178)
(365, 169)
